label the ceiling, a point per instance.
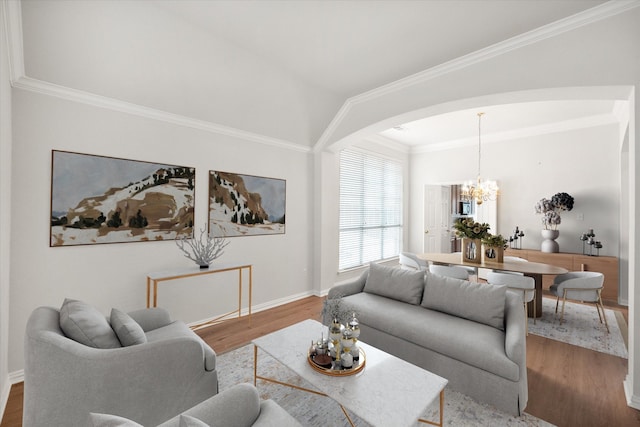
(315, 55)
(350, 47)
(502, 122)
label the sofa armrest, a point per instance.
(515, 344)
(351, 287)
(151, 318)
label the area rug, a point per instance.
(580, 327)
(312, 410)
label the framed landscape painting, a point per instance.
(245, 205)
(97, 199)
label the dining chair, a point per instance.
(524, 286)
(584, 286)
(473, 271)
(509, 258)
(409, 261)
(449, 271)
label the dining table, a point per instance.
(531, 269)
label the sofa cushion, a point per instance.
(396, 283)
(106, 420)
(86, 325)
(473, 343)
(189, 421)
(480, 302)
(129, 332)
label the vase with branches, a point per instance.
(203, 250)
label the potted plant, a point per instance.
(471, 233)
(550, 211)
(493, 246)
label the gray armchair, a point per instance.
(150, 382)
(238, 406)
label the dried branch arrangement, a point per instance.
(204, 250)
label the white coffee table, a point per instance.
(387, 392)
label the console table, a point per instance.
(162, 276)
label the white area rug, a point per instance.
(580, 327)
(312, 410)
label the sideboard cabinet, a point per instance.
(606, 265)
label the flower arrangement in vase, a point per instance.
(550, 211)
(493, 246)
(471, 233)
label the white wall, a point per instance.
(5, 213)
(114, 275)
(583, 163)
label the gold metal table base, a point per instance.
(153, 279)
(257, 377)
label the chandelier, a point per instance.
(480, 190)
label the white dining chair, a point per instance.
(449, 271)
(524, 286)
(509, 258)
(409, 261)
(584, 286)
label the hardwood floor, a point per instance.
(568, 385)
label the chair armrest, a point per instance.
(237, 406)
(272, 414)
(151, 318)
(351, 287)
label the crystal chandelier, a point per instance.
(479, 190)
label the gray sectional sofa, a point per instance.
(472, 334)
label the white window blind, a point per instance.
(370, 208)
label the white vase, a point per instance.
(549, 243)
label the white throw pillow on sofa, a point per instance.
(480, 302)
(402, 285)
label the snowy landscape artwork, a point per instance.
(97, 199)
(245, 205)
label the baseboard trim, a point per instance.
(261, 307)
(5, 396)
(632, 401)
(16, 377)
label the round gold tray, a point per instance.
(358, 365)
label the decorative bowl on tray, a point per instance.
(325, 364)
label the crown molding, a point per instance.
(589, 16)
(549, 128)
(88, 98)
(12, 15)
(389, 143)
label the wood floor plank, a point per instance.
(568, 385)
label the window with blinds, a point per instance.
(370, 208)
